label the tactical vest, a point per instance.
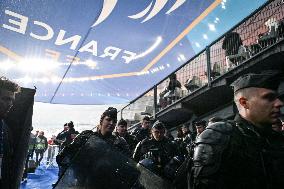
(40, 144)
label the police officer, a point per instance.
(245, 153)
(143, 131)
(188, 139)
(105, 128)
(121, 131)
(200, 127)
(157, 148)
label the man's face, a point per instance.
(66, 128)
(7, 99)
(158, 134)
(184, 130)
(121, 129)
(264, 106)
(107, 126)
(146, 124)
(199, 129)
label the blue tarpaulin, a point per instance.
(42, 178)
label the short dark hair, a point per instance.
(70, 124)
(158, 125)
(146, 118)
(9, 85)
(200, 123)
(122, 122)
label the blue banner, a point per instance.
(105, 51)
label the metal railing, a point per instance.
(260, 30)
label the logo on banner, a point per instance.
(152, 10)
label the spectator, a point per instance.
(41, 146)
(173, 83)
(172, 90)
(235, 51)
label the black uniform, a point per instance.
(60, 138)
(7, 154)
(238, 155)
(161, 152)
(64, 158)
(130, 139)
(141, 133)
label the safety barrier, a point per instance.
(260, 30)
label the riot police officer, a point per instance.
(244, 153)
(104, 131)
(143, 131)
(121, 131)
(157, 149)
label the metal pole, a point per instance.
(155, 101)
(208, 66)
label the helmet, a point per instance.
(148, 163)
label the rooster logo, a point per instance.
(154, 8)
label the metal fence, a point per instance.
(258, 31)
